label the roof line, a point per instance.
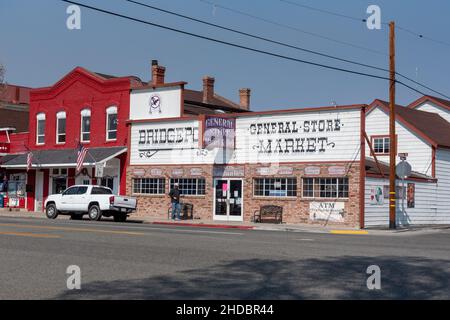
(416, 103)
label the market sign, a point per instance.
(219, 132)
(312, 171)
(327, 211)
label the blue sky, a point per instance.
(37, 48)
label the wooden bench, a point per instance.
(269, 214)
(187, 211)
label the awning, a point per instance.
(61, 158)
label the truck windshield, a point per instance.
(98, 190)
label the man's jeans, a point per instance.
(176, 209)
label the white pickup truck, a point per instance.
(95, 201)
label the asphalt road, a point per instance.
(140, 261)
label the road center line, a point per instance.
(32, 235)
(113, 231)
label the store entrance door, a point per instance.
(228, 202)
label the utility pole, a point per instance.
(392, 149)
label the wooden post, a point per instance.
(392, 149)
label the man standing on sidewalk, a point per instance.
(174, 195)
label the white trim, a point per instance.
(228, 217)
(61, 115)
(110, 110)
(85, 113)
(68, 165)
(40, 117)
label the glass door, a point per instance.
(228, 200)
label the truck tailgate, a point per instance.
(124, 202)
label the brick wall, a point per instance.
(295, 210)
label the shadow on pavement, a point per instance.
(328, 278)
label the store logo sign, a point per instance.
(155, 104)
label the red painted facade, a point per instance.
(77, 91)
(80, 90)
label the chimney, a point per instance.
(158, 73)
(244, 98)
(208, 89)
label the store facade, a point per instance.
(307, 161)
(83, 108)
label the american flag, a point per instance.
(29, 160)
(81, 155)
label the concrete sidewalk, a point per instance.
(307, 228)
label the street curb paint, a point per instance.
(216, 226)
(351, 232)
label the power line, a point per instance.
(226, 42)
(236, 45)
(258, 37)
(353, 18)
(282, 25)
(282, 43)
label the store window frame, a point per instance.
(61, 116)
(290, 189)
(85, 114)
(189, 186)
(111, 111)
(322, 186)
(385, 144)
(157, 185)
(40, 124)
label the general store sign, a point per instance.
(219, 132)
(331, 135)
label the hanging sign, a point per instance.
(336, 170)
(228, 171)
(177, 172)
(156, 172)
(99, 169)
(312, 171)
(196, 171)
(218, 132)
(138, 172)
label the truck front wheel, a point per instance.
(95, 214)
(51, 211)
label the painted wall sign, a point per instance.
(219, 132)
(299, 136)
(411, 195)
(156, 172)
(274, 170)
(177, 172)
(196, 171)
(312, 171)
(139, 172)
(155, 103)
(337, 170)
(228, 171)
(377, 196)
(328, 211)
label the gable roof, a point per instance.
(430, 126)
(440, 102)
(194, 104)
(97, 77)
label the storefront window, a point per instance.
(40, 128)
(86, 125)
(191, 187)
(149, 186)
(325, 187)
(61, 127)
(111, 123)
(275, 187)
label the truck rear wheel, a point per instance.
(51, 212)
(95, 214)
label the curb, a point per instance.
(201, 225)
